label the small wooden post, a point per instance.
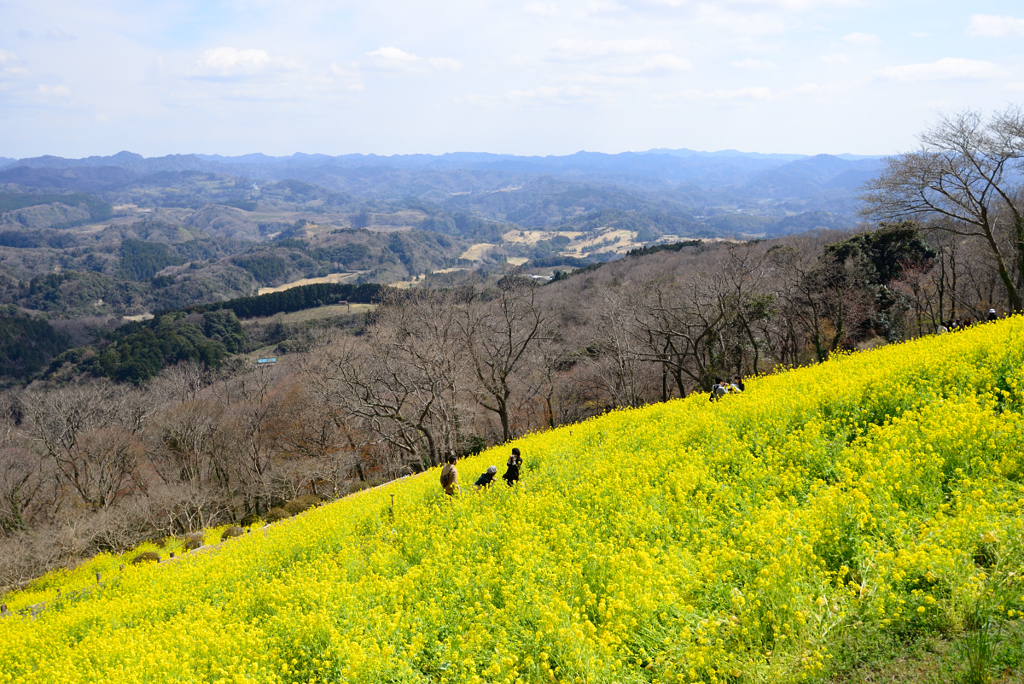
(392, 510)
(98, 578)
(3, 610)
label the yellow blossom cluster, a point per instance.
(690, 541)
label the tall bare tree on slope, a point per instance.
(966, 179)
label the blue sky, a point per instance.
(533, 77)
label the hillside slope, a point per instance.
(878, 494)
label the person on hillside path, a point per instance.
(515, 461)
(992, 315)
(450, 477)
(737, 385)
(718, 390)
(487, 478)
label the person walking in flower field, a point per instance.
(515, 461)
(450, 477)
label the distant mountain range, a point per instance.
(437, 177)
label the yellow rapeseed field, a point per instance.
(684, 542)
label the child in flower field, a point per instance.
(511, 475)
(488, 477)
(450, 477)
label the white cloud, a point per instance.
(805, 89)
(661, 64)
(752, 64)
(560, 94)
(229, 61)
(11, 71)
(541, 9)
(543, 92)
(603, 6)
(394, 59)
(992, 26)
(747, 5)
(479, 100)
(946, 69)
(591, 49)
(54, 91)
(57, 34)
(348, 76)
(756, 93)
(835, 58)
(15, 72)
(862, 39)
(444, 63)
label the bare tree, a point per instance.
(184, 381)
(26, 481)
(91, 433)
(965, 179)
(623, 369)
(403, 381)
(253, 423)
(191, 443)
(499, 333)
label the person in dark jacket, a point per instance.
(511, 475)
(486, 479)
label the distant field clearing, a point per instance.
(333, 278)
(328, 311)
(618, 241)
(532, 237)
(476, 252)
(517, 261)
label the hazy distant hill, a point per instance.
(383, 217)
(806, 175)
(457, 172)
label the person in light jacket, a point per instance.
(450, 477)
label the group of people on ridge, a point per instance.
(450, 474)
(962, 324)
(723, 387)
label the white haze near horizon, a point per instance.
(528, 77)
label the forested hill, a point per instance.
(138, 351)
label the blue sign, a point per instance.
(272, 359)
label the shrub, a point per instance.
(275, 514)
(146, 557)
(231, 533)
(249, 519)
(193, 541)
(301, 503)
